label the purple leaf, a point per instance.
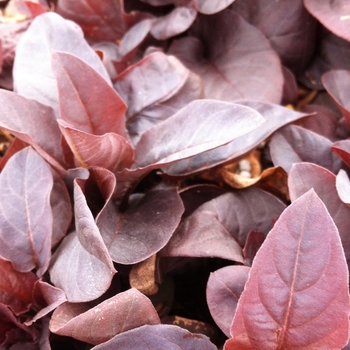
(252, 244)
(143, 229)
(342, 149)
(154, 79)
(124, 311)
(303, 177)
(46, 139)
(110, 151)
(158, 337)
(86, 100)
(61, 210)
(49, 32)
(229, 67)
(342, 184)
(16, 288)
(298, 284)
(198, 127)
(81, 266)
(333, 14)
(277, 18)
(219, 228)
(210, 7)
(276, 116)
(337, 83)
(332, 53)
(224, 288)
(25, 212)
(293, 144)
(47, 297)
(174, 23)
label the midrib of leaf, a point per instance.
(29, 228)
(286, 321)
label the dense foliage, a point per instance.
(175, 174)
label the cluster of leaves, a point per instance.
(127, 217)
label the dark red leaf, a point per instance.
(158, 337)
(337, 83)
(293, 144)
(301, 264)
(229, 67)
(276, 116)
(277, 18)
(81, 266)
(124, 311)
(87, 102)
(224, 288)
(49, 32)
(333, 14)
(47, 298)
(198, 127)
(100, 21)
(303, 177)
(342, 149)
(252, 244)
(16, 288)
(25, 212)
(144, 228)
(110, 151)
(46, 139)
(219, 227)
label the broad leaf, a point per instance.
(219, 228)
(342, 184)
(241, 65)
(110, 151)
(296, 48)
(208, 7)
(158, 337)
(144, 228)
(196, 128)
(122, 312)
(333, 14)
(46, 33)
(16, 288)
(46, 139)
(276, 116)
(303, 177)
(293, 144)
(100, 21)
(86, 100)
(224, 288)
(302, 265)
(25, 212)
(84, 255)
(337, 83)
(342, 149)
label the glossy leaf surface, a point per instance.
(303, 177)
(158, 337)
(302, 264)
(25, 212)
(144, 228)
(198, 129)
(49, 32)
(221, 65)
(225, 287)
(124, 311)
(86, 100)
(84, 255)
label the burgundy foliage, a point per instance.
(174, 174)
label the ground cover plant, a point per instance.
(174, 174)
